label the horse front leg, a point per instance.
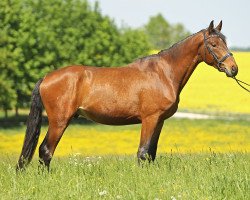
(150, 132)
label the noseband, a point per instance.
(218, 61)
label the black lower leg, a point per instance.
(152, 152)
(44, 155)
(154, 142)
(146, 153)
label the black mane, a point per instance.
(157, 55)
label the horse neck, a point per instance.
(182, 60)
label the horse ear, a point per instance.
(219, 27)
(211, 27)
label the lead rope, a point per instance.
(239, 81)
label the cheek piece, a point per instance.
(216, 59)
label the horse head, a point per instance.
(216, 52)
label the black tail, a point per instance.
(33, 128)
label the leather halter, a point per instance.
(219, 61)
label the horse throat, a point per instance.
(183, 59)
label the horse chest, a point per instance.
(170, 108)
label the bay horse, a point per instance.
(146, 91)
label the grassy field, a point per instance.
(198, 159)
(173, 176)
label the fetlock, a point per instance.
(44, 155)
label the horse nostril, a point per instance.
(234, 70)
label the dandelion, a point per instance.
(173, 198)
(102, 193)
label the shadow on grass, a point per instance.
(19, 121)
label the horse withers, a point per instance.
(145, 91)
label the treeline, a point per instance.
(38, 36)
(240, 49)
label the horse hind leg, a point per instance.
(52, 138)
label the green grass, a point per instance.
(176, 176)
(200, 175)
(180, 175)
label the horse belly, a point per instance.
(111, 97)
(108, 118)
(111, 109)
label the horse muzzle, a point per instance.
(230, 72)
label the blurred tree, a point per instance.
(161, 34)
(158, 31)
(178, 32)
(39, 36)
(135, 43)
(8, 94)
(9, 54)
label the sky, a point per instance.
(193, 14)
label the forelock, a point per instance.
(219, 34)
